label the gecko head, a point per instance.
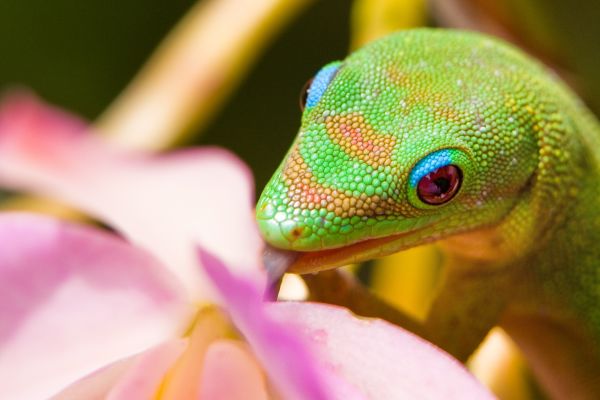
(416, 137)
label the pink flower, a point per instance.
(85, 314)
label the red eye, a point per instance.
(440, 185)
(304, 93)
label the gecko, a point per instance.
(457, 138)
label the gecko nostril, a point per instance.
(292, 231)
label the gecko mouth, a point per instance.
(279, 261)
(357, 252)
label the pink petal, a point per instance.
(281, 351)
(383, 361)
(231, 373)
(135, 377)
(143, 379)
(74, 299)
(97, 385)
(164, 203)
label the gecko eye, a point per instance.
(314, 89)
(440, 185)
(304, 93)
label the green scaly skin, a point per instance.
(522, 236)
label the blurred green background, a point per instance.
(80, 55)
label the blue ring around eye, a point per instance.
(320, 83)
(428, 164)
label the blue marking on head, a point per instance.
(320, 83)
(428, 164)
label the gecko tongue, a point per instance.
(277, 262)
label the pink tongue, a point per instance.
(277, 262)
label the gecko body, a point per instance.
(457, 138)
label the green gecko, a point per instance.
(454, 137)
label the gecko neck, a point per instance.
(544, 257)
